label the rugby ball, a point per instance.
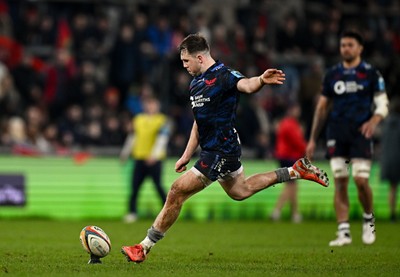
(95, 241)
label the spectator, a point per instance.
(160, 35)
(28, 81)
(254, 127)
(36, 119)
(111, 100)
(310, 83)
(82, 32)
(51, 135)
(93, 133)
(112, 133)
(70, 127)
(289, 36)
(259, 35)
(6, 26)
(125, 58)
(315, 42)
(58, 82)
(27, 29)
(47, 35)
(86, 88)
(10, 100)
(16, 132)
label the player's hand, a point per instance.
(180, 165)
(273, 76)
(151, 161)
(123, 159)
(368, 128)
(310, 149)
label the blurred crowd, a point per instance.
(74, 73)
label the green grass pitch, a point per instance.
(214, 248)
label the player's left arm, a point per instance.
(270, 76)
(127, 148)
(381, 102)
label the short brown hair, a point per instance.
(194, 43)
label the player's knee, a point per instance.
(175, 193)
(237, 196)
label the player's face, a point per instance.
(151, 106)
(191, 62)
(350, 49)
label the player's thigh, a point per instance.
(233, 185)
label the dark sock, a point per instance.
(154, 235)
(282, 174)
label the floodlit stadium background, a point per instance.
(77, 173)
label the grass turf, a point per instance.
(218, 248)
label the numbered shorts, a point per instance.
(215, 166)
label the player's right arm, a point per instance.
(127, 148)
(270, 76)
(191, 146)
(320, 115)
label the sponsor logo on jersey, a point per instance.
(341, 87)
(198, 100)
(210, 82)
(361, 75)
(237, 74)
(381, 84)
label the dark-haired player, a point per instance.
(354, 98)
(214, 94)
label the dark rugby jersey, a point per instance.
(352, 91)
(214, 98)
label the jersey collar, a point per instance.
(217, 65)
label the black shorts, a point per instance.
(216, 166)
(286, 162)
(345, 140)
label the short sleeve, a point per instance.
(378, 82)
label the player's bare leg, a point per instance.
(341, 203)
(240, 188)
(184, 187)
(180, 191)
(365, 198)
(237, 187)
(364, 194)
(341, 199)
